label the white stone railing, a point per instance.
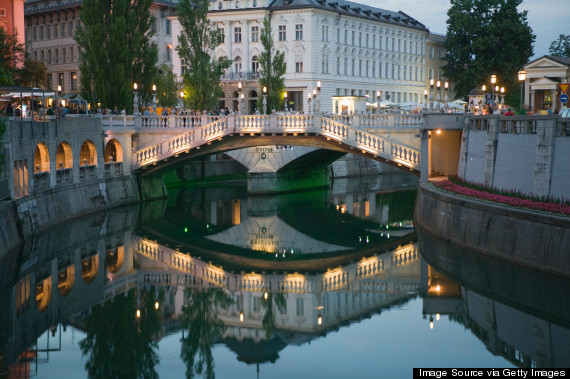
(221, 126)
(381, 120)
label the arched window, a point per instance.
(41, 158)
(113, 151)
(237, 65)
(88, 154)
(254, 64)
(63, 157)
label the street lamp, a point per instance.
(493, 81)
(496, 91)
(522, 78)
(445, 96)
(503, 95)
(319, 96)
(154, 97)
(431, 93)
(240, 95)
(264, 100)
(425, 97)
(285, 102)
(378, 96)
(135, 100)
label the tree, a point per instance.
(272, 67)
(560, 47)
(167, 95)
(11, 56)
(196, 44)
(115, 51)
(32, 74)
(486, 37)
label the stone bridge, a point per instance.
(165, 141)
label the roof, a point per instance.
(561, 60)
(350, 8)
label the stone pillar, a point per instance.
(554, 101)
(544, 156)
(491, 150)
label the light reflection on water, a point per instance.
(200, 256)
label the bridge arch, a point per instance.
(65, 280)
(41, 158)
(43, 293)
(113, 151)
(114, 259)
(88, 154)
(64, 156)
(89, 268)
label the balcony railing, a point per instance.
(233, 76)
(88, 172)
(113, 169)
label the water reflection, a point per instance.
(132, 277)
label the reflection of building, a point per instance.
(542, 84)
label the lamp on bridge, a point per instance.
(446, 96)
(319, 96)
(484, 89)
(285, 101)
(154, 97)
(425, 97)
(264, 100)
(240, 95)
(522, 78)
(431, 93)
(314, 101)
(438, 93)
(181, 100)
(135, 100)
(502, 95)
(378, 96)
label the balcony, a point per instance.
(237, 76)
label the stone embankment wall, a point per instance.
(533, 239)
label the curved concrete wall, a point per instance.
(528, 238)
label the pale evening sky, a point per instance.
(547, 19)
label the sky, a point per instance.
(547, 18)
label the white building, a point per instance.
(353, 49)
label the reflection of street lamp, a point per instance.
(264, 100)
(522, 78)
(135, 100)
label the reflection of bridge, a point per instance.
(162, 139)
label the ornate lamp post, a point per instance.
(264, 100)
(502, 95)
(285, 102)
(240, 102)
(319, 96)
(493, 81)
(522, 78)
(314, 101)
(446, 96)
(154, 97)
(135, 100)
(431, 94)
(426, 97)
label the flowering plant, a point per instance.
(503, 199)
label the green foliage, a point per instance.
(272, 67)
(486, 37)
(115, 51)
(560, 47)
(196, 44)
(11, 55)
(32, 74)
(200, 317)
(118, 344)
(3, 127)
(167, 90)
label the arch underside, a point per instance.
(234, 142)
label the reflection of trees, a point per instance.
(268, 321)
(120, 344)
(200, 317)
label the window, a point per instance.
(345, 37)
(48, 32)
(324, 33)
(338, 65)
(237, 64)
(49, 56)
(298, 32)
(367, 67)
(56, 55)
(360, 39)
(367, 37)
(360, 67)
(353, 65)
(441, 53)
(168, 52)
(430, 73)
(71, 51)
(282, 33)
(338, 36)
(55, 30)
(70, 28)
(353, 34)
(298, 66)
(325, 64)
(60, 79)
(168, 26)
(63, 29)
(237, 35)
(49, 82)
(222, 35)
(374, 41)
(345, 66)
(63, 55)
(431, 52)
(255, 34)
(73, 81)
(254, 64)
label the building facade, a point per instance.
(12, 18)
(542, 84)
(50, 31)
(352, 49)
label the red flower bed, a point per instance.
(512, 201)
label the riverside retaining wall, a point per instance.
(533, 239)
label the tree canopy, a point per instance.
(560, 47)
(486, 37)
(196, 44)
(167, 89)
(11, 56)
(115, 51)
(272, 68)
